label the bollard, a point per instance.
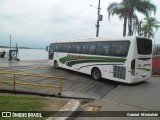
(14, 82)
(61, 86)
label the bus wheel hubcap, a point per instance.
(56, 64)
(96, 74)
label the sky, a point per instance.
(37, 23)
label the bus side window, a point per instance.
(103, 48)
(92, 50)
(106, 51)
(120, 49)
(85, 49)
(58, 47)
(90, 47)
(79, 48)
(69, 49)
(74, 48)
(114, 48)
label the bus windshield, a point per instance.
(144, 46)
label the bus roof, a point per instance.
(130, 38)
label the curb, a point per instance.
(155, 75)
(70, 107)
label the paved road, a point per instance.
(74, 84)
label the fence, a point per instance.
(156, 63)
(13, 80)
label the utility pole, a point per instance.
(99, 18)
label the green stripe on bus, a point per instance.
(144, 69)
(87, 59)
(70, 63)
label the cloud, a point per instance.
(36, 23)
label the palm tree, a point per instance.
(126, 9)
(135, 24)
(120, 10)
(148, 27)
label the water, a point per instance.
(29, 54)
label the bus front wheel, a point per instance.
(56, 65)
(96, 74)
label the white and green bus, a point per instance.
(126, 59)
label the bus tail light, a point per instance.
(133, 67)
(133, 64)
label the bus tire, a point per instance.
(96, 74)
(56, 65)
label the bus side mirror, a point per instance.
(47, 48)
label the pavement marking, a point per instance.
(142, 109)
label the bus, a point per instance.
(125, 59)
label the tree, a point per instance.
(148, 27)
(126, 9)
(156, 50)
(120, 10)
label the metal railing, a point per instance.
(32, 84)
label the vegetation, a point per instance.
(12, 102)
(148, 27)
(156, 50)
(18, 103)
(127, 10)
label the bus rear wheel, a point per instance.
(56, 65)
(96, 74)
